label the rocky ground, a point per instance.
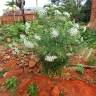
(25, 67)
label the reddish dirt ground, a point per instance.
(26, 69)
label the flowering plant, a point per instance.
(53, 37)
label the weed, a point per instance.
(80, 68)
(11, 83)
(1, 73)
(91, 61)
(32, 90)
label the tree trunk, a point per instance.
(23, 16)
(92, 23)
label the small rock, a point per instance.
(55, 91)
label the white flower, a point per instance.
(42, 12)
(54, 33)
(27, 26)
(73, 31)
(69, 54)
(81, 39)
(37, 37)
(28, 44)
(54, 5)
(66, 14)
(57, 12)
(84, 28)
(76, 25)
(22, 37)
(50, 58)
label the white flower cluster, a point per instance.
(54, 33)
(69, 54)
(82, 39)
(27, 43)
(57, 12)
(50, 58)
(76, 25)
(41, 12)
(84, 28)
(37, 37)
(27, 26)
(66, 14)
(73, 31)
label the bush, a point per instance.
(12, 32)
(53, 37)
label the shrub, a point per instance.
(53, 37)
(11, 31)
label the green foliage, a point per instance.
(1, 73)
(10, 3)
(11, 31)
(85, 12)
(71, 7)
(80, 68)
(32, 90)
(91, 61)
(11, 83)
(53, 37)
(90, 37)
(81, 13)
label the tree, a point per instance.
(79, 12)
(21, 4)
(54, 1)
(84, 15)
(11, 4)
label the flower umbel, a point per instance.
(50, 58)
(73, 31)
(27, 26)
(37, 37)
(54, 33)
(66, 14)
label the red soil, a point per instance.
(47, 86)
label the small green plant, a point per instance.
(1, 73)
(11, 83)
(91, 61)
(32, 90)
(12, 32)
(80, 68)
